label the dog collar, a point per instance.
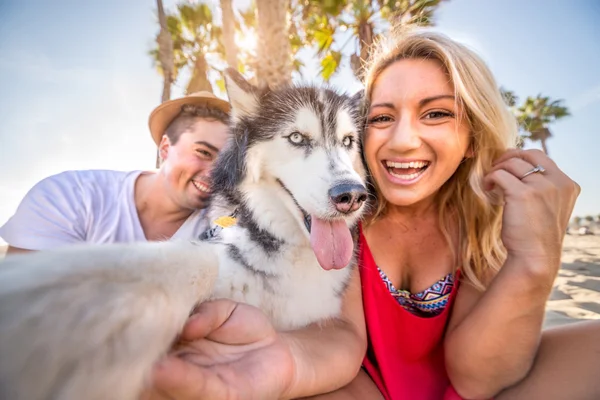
(225, 221)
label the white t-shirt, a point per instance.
(93, 206)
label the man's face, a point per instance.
(187, 163)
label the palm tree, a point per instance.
(228, 26)
(325, 23)
(165, 58)
(274, 49)
(409, 11)
(536, 114)
(165, 52)
(196, 42)
(510, 97)
(201, 38)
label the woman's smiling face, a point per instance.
(417, 134)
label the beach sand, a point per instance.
(576, 294)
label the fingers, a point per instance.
(503, 179)
(516, 166)
(208, 317)
(533, 157)
(228, 322)
(174, 378)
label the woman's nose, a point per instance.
(406, 135)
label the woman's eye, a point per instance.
(438, 114)
(379, 119)
(297, 138)
(347, 141)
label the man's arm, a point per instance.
(51, 214)
(329, 356)
(361, 388)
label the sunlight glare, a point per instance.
(246, 41)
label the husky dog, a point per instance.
(89, 322)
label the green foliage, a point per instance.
(330, 63)
(325, 23)
(329, 25)
(535, 115)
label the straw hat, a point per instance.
(165, 113)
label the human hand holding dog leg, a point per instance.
(231, 350)
(227, 349)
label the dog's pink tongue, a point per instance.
(331, 242)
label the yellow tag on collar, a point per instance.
(225, 221)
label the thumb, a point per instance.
(175, 378)
(208, 317)
(228, 322)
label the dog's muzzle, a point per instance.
(348, 197)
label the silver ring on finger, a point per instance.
(537, 169)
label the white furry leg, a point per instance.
(90, 322)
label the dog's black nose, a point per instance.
(348, 197)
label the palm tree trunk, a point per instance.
(365, 37)
(229, 33)
(165, 56)
(165, 52)
(274, 50)
(544, 146)
(365, 41)
(199, 80)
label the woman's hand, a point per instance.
(537, 208)
(228, 350)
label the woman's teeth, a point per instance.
(406, 170)
(412, 164)
(406, 177)
(201, 187)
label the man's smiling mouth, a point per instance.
(201, 187)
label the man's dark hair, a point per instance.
(189, 115)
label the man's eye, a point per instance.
(297, 139)
(204, 153)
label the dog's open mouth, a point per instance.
(330, 240)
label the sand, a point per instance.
(576, 294)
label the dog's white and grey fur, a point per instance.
(89, 322)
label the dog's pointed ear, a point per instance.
(358, 99)
(243, 97)
(360, 104)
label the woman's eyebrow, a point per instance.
(386, 105)
(426, 100)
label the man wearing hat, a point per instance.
(103, 206)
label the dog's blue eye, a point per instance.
(347, 141)
(297, 138)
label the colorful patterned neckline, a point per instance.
(428, 303)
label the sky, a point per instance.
(77, 84)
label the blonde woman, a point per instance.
(456, 261)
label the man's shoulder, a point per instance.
(94, 175)
(88, 180)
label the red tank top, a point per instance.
(405, 355)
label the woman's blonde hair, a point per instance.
(493, 129)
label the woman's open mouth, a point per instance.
(407, 172)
